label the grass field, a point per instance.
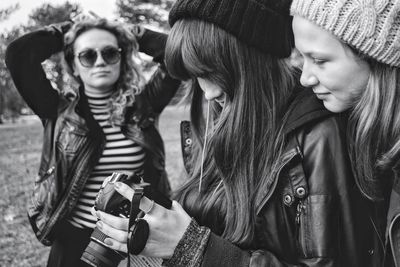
(20, 146)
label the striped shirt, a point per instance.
(120, 155)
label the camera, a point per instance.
(110, 201)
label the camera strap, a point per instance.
(134, 212)
(133, 229)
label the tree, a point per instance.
(4, 83)
(6, 12)
(153, 12)
(48, 14)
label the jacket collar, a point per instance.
(305, 107)
(81, 107)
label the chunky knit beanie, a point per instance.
(264, 24)
(370, 26)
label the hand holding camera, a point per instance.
(166, 226)
(125, 214)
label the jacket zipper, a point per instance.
(299, 210)
(299, 222)
(272, 189)
(63, 201)
(42, 178)
(47, 174)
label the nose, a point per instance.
(99, 60)
(211, 94)
(307, 78)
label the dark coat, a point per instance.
(73, 140)
(311, 213)
(393, 226)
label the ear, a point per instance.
(74, 70)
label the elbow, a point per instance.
(12, 56)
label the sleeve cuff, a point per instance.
(190, 249)
(220, 252)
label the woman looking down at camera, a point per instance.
(270, 182)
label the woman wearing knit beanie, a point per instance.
(270, 183)
(351, 52)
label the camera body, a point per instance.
(110, 201)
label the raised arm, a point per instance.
(161, 88)
(23, 59)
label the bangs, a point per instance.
(190, 51)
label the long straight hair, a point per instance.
(244, 140)
(374, 131)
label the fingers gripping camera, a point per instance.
(138, 228)
(110, 201)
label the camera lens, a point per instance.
(110, 201)
(97, 254)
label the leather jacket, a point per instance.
(73, 140)
(393, 227)
(311, 213)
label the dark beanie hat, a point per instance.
(264, 24)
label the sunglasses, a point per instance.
(110, 55)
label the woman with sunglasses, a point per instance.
(351, 54)
(107, 125)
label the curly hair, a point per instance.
(128, 83)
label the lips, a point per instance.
(323, 95)
(101, 72)
(220, 100)
(320, 92)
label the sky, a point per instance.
(104, 8)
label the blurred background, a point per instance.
(20, 16)
(21, 131)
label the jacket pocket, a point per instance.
(42, 199)
(70, 138)
(317, 222)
